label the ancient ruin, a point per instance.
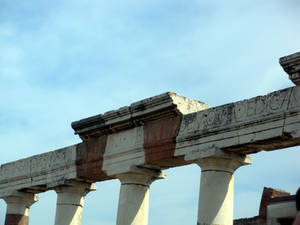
(276, 207)
(136, 143)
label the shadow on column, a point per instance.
(15, 219)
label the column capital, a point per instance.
(216, 186)
(19, 197)
(18, 204)
(70, 201)
(141, 176)
(76, 187)
(217, 159)
(134, 195)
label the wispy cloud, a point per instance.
(65, 60)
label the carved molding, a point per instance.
(137, 114)
(291, 65)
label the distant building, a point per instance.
(276, 208)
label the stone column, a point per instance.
(134, 196)
(70, 201)
(216, 186)
(18, 204)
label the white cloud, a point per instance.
(67, 60)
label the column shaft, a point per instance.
(18, 204)
(216, 198)
(134, 197)
(70, 200)
(216, 186)
(133, 205)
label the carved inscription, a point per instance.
(295, 98)
(47, 162)
(20, 169)
(51, 161)
(43, 169)
(242, 111)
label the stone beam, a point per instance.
(266, 122)
(159, 133)
(40, 172)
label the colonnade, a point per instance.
(163, 131)
(215, 198)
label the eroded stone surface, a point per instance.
(159, 139)
(89, 159)
(264, 122)
(137, 114)
(291, 65)
(124, 149)
(39, 172)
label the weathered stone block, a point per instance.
(40, 172)
(124, 149)
(291, 65)
(262, 123)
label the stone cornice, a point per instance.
(161, 106)
(291, 65)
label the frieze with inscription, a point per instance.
(239, 112)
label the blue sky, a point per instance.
(65, 60)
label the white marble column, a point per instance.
(216, 186)
(18, 204)
(70, 200)
(134, 196)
